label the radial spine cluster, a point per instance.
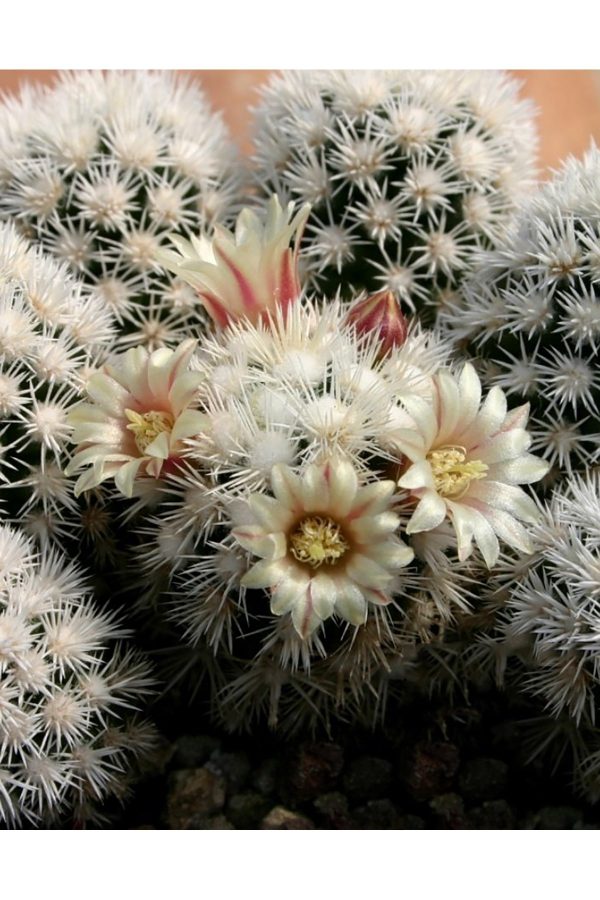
(97, 168)
(53, 332)
(298, 541)
(543, 624)
(408, 173)
(530, 314)
(68, 688)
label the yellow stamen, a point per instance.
(147, 426)
(318, 540)
(452, 474)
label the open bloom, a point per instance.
(140, 414)
(326, 544)
(246, 274)
(464, 462)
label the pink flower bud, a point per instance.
(380, 314)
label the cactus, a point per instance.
(408, 173)
(536, 632)
(53, 332)
(287, 516)
(68, 739)
(531, 314)
(96, 170)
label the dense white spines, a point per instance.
(531, 313)
(546, 619)
(66, 742)
(100, 167)
(301, 398)
(408, 173)
(53, 331)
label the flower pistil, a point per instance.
(452, 473)
(318, 540)
(147, 426)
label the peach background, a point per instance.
(569, 103)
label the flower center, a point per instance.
(147, 426)
(318, 540)
(452, 474)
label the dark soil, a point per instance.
(432, 767)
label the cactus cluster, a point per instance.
(530, 314)
(53, 332)
(408, 173)
(68, 686)
(538, 628)
(300, 506)
(97, 168)
(305, 395)
(292, 477)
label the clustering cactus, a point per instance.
(537, 629)
(408, 173)
(287, 404)
(98, 167)
(68, 738)
(314, 492)
(306, 485)
(531, 314)
(53, 331)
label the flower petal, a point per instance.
(305, 617)
(351, 604)
(448, 408)
(108, 394)
(271, 514)
(125, 476)
(417, 477)
(503, 446)
(315, 489)
(488, 421)
(287, 487)
(366, 572)
(254, 539)
(322, 590)
(393, 554)
(365, 529)
(526, 470)
(469, 387)
(343, 485)
(263, 574)
(287, 591)
(372, 499)
(430, 512)
(485, 538)
(188, 424)
(422, 412)
(462, 519)
(506, 497)
(184, 390)
(509, 529)
(160, 447)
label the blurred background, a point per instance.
(568, 103)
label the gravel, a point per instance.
(433, 769)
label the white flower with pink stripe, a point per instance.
(326, 544)
(248, 274)
(464, 460)
(140, 414)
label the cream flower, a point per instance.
(246, 275)
(464, 462)
(326, 544)
(140, 414)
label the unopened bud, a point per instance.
(380, 314)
